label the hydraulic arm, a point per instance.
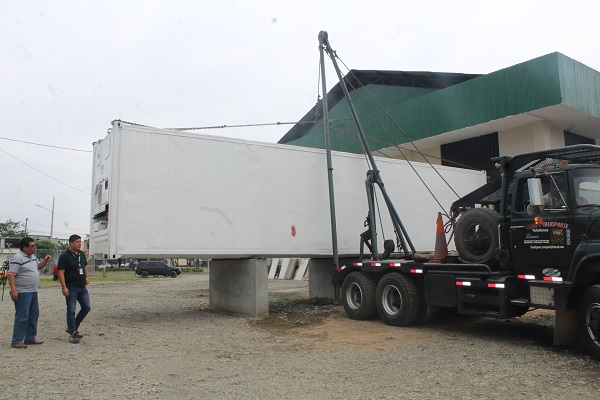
(373, 176)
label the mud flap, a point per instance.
(566, 328)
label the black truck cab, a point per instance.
(545, 246)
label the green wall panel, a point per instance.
(580, 86)
(419, 113)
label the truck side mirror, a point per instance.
(536, 196)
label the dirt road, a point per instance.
(156, 338)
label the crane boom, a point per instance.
(373, 175)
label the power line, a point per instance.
(43, 173)
(168, 129)
(230, 126)
(46, 145)
(195, 128)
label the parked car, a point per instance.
(145, 268)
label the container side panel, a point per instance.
(183, 194)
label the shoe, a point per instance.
(73, 338)
(76, 333)
(34, 341)
(18, 345)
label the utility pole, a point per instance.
(26, 220)
(52, 221)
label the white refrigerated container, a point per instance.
(161, 193)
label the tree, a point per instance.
(11, 228)
(46, 244)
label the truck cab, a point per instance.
(557, 240)
(543, 230)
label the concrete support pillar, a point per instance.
(319, 277)
(239, 286)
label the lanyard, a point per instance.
(78, 258)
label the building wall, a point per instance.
(434, 155)
(536, 136)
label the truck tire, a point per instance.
(398, 300)
(358, 296)
(589, 318)
(476, 234)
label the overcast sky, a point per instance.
(71, 67)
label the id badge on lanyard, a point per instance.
(78, 257)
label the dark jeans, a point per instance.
(27, 312)
(77, 294)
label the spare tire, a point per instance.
(476, 234)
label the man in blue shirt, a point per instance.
(24, 278)
(73, 277)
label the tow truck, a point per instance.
(528, 239)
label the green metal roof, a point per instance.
(374, 88)
(342, 123)
(543, 82)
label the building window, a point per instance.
(474, 153)
(573, 138)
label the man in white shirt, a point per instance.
(24, 278)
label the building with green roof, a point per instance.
(461, 119)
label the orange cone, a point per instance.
(441, 248)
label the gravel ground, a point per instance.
(156, 338)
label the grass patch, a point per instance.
(299, 309)
(111, 276)
(192, 269)
(317, 301)
(114, 275)
(286, 315)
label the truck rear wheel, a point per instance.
(589, 317)
(398, 300)
(476, 234)
(358, 296)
